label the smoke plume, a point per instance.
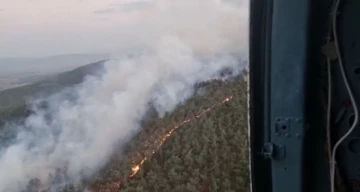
(177, 44)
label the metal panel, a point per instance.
(278, 63)
(288, 72)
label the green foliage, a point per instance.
(14, 113)
(207, 154)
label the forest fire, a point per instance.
(158, 141)
(135, 168)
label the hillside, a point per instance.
(20, 71)
(13, 101)
(201, 146)
(208, 153)
(32, 66)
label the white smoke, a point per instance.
(182, 43)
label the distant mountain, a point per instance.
(15, 72)
(16, 97)
(23, 67)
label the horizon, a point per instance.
(41, 28)
(52, 55)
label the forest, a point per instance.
(201, 147)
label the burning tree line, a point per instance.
(209, 154)
(207, 150)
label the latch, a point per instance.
(274, 152)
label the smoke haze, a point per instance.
(182, 42)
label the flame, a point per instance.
(136, 167)
(116, 185)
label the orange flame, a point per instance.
(116, 185)
(135, 168)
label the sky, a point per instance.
(47, 27)
(36, 28)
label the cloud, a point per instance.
(107, 10)
(126, 7)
